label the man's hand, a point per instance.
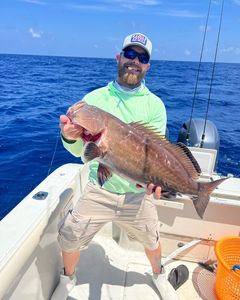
(70, 131)
(152, 189)
(155, 190)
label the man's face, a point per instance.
(131, 71)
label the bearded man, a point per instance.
(117, 200)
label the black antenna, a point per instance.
(198, 73)
(211, 82)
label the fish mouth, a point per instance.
(87, 136)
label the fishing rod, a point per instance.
(54, 153)
(213, 72)
(198, 73)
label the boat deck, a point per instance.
(113, 267)
(108, 271)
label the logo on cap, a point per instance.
(139, 38)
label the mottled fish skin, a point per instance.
(140, 154)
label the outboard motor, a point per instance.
(211, 140)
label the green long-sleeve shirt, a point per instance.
(141, 106)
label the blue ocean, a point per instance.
(36, 90)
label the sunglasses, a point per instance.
(132, 54)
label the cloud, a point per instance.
(231, 49)
(236, 2)
(121, 6)
(95, 7)
(35, 34)
(216, 2)
(181, 13)
(115, 5)
(38, 2)
(135, 2)
(147, 2)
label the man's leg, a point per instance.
(67, 278)
(143, 224)
(154, 256)
(159, 278)
(70, 260)
(95, 208)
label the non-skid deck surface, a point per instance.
(108, 272)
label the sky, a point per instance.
(97, 28)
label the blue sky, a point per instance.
(97, 28)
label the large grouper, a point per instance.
(140, 154)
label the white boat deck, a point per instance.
(112, 267)
(108, 271)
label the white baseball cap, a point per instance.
(138, 39)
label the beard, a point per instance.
(131, 79)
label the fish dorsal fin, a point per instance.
(179, 150)
(186, 158)
(148, 131)
(190, 156)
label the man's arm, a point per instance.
(71, 136)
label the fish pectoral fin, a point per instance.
(90, 151)
(103, 174)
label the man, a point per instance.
(128, 99)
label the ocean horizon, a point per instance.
(112, 58)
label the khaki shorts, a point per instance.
(133, 212)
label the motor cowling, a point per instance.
(191, 135)
(211, 139)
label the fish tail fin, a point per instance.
(202, 199)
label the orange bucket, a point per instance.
(228, 273)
